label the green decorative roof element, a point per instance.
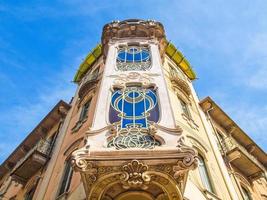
(88, 62)
(179, 59)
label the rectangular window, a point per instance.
(84, 112)
(66, 179)
(204, 174)
(184, 108)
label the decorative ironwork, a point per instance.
(133, 59)
(133, 112)
(133, 138)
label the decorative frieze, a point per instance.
(133, 28)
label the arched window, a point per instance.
(204, 174)
(132, 111)
(133, 58)
(134, 107)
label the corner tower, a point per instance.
(134, 148)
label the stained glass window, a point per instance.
(132, 111)
(133, 58)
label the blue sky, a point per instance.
(42, 44)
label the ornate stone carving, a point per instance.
(135, 175)
(149, 29)
(179, 83)
(133, 77)
(188, 162)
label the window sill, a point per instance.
(78, 125)
(190, 121)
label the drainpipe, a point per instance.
(224, 153)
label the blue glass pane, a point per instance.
(129, 57)
(126, 123)
(137, 57)
(141, 123)
(133, 50)
(113, 115)
(121, 56)
(154, 114)
(145, 56)
(134, 108)
(128, 109)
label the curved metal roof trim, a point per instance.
(179, 59)
(88, 62)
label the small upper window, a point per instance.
(204, 174)
(184, 107)
(84, 112)
(133, 58)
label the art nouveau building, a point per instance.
(135, 129)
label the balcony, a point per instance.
(33, 161)
(242, 159)
(88, 84)
(180, 83)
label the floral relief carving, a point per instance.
(188, 162)
(135, 175)
(121, 80)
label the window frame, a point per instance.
(66, 179)
(183, 105)
(84, 110)
(207, 180)
(124, 65)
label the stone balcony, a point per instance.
(33, 161)
(240, 157)
(88, 83)
(180, 83)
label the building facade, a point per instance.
(135, 129)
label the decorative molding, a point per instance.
(135, 175)
(189, 160)
(149, 29)
(123, 80)
(190, 122)
(174, 131)
(179, 84)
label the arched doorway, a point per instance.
(161, 187)
(135, 195)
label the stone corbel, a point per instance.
(188, 162)
(80, 162)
